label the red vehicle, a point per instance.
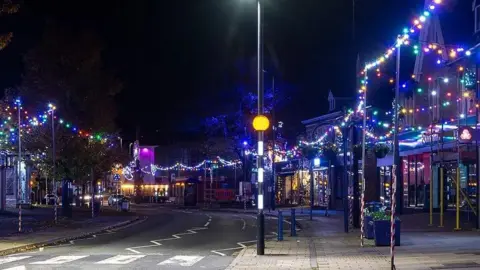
(224, 195)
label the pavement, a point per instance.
(169, 238)
(322, 244)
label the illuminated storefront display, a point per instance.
(148, 190)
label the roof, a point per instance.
(325, 117)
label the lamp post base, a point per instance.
(260, 233)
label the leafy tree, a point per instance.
(7, 7)
(66, 68)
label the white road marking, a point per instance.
(121, 259)
(13, 259)
(61, 259)
(244, 224)
(133, 250)
(183, 211)
(218, 253)
(157, 241)
(242, 243)
(206, 224)
(182, 260)
(225, 249)
(21, 267)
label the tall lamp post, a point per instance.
(51, 109)
(19, 164)
(260, 124)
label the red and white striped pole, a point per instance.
(362, 216)
(364, 133)
(392, 218)
(350, 208)
(395, 155)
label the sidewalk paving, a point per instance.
(322, 244)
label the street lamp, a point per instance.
(19, 164)
(260, 119)
(121, 143)
(260, 124)
(51, 110)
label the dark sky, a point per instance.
(177, 58)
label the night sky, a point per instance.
(178, 59)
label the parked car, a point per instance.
(50, 199)
(114, 199)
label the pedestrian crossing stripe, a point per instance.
(60, 260)
(121, 259)
(182, 260)
(21, 267)
(179, 260)
(12, 259)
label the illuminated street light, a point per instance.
(51, 109)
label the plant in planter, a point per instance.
(357, 151)
(381, 150)
(329, 151)
(309, 152)
(368, 224)
(381, 226)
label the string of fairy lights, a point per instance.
(443, 56)
(29, 122)
(207, 164)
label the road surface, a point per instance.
(168, 239)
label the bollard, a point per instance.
(280, 226)
(293, 232)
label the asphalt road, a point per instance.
(168, 239)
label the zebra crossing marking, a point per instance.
(13, 259)
(182, 260)
(178, 260)
(121, 259)
(60, 259)
(21, 267)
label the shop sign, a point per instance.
(466, 134)
(428, 138)
(289, 167)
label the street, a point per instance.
(169, 238)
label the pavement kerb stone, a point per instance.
(62, 240)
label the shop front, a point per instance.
(436, 161)
(293, 184)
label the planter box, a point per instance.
(382, 232)
(368, 227)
